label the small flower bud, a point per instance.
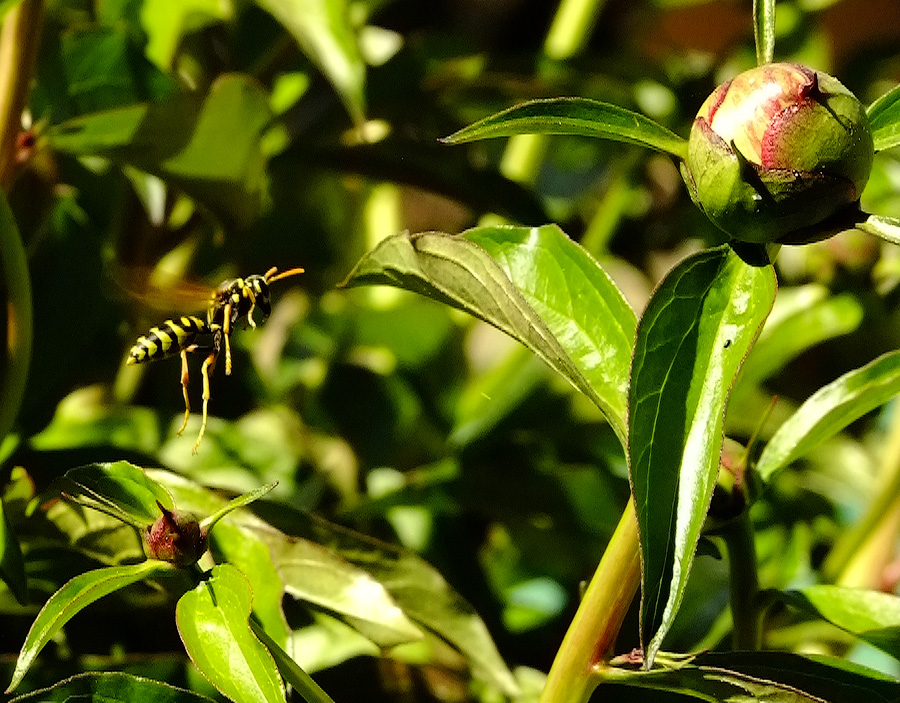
(176, 537)
(778, 149)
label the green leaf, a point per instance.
(577, 300)
(578, 116)
(764, 676)
(455, 271)
(881, 226)
(830, 410)
(696, 331)
(166, 23)
(213, 622)
(239, 547)
(12, 567)
(423, 595)
(74, 596)
(111, 687)
(870, 615)
(180, 140)
(318, 575)
(884, 118)
(764, 30)
(323, 31)
(242, 500)
(291, 671)
(121, 490)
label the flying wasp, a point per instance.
(233, 302)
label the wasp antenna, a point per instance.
(272, 274)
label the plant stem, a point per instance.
(742, 566)
(863, 551)
(19, 39)
(593, 631)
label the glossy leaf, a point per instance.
(111, 687)
(577, 300)
(180, 141)
(884, 118)
(73, 597)
(322, 29)
(424, 596)
(764, 30)
(691, 341)
(291, 671)
(873, 616)
(765, 676)
(830, 410)
(881, 226)
(455, 271)
(318, 575)
(121, 490)
(578, 116)
(213, 623)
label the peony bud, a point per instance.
(778, 149)
(176, 537)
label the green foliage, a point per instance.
(399, 501)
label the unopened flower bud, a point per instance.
(778, 149)
(176, 537)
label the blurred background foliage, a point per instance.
(195, 141)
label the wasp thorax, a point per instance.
(176, 537)
(778, 150)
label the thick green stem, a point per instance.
(862, 552)
(742, 565)
(580, 661)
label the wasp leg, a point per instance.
(252, 308)
(208, 363)
(226, 331)
(184, 386)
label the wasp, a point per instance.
(233, 302)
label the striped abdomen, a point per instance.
(169, 338)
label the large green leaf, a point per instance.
(577, 300)
(74, 596)
(739, 677)
(111, 687)
(180, 140)
(121, 490)
(579, 116)
(871, 615)
(213, 623)
(694, 334)
(884, 118)
(881, 226)
(322, 29)
(830, 410)
(318, 575)
(290, 670)
(454, 270)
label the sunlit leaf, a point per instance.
(121, 490)
(881, 226)
(213, 623)
(180, 140)
(577, 300)
(691, 341)
(763, 676)
(884, 118)
(322, 29)
(291, 671)
(873, 616)
(73, 597)
(830, 410)
(578, 116)
(111, 687)
(453, 270)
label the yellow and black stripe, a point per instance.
(168, 339)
